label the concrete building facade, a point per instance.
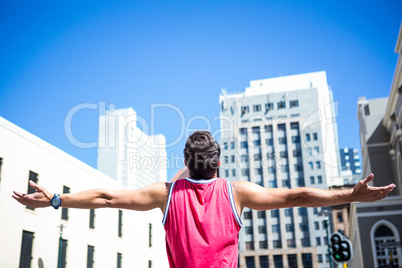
(281, 133)
(376, 228)
(91, 238)
(350, 161)
(126, 153)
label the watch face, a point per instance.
(55, 202)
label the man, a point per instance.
(201, 213)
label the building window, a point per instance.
(311, 165)
(315, 136)
(150, 235)
(149, 264)
(308, 138)
(383, 232)
(262, 229)
(269, 142)
(312, 180)
(276, 228)
(283, 154)
(258, 171)
(245, 172)
(319, 258)
(277, 243)
(119, 260)
(282, 140)
(264, 261)
(296, 153)
(250, 245)
(300, 182)
(273, 184)
(326, 240)
(286, 183)
(366, 109)
(32, 177)
(120, 225)
(257, 108)
(281, 105)
(244, 109)
(249, 230)
(317, 225)
(26, 249)
(296, 139)
(269, 106)
(248, 215)
(339, 217)
(244, 158)
(261, 214)
(317, 150)
(304, 226)
(268, 128)
(243, 145)
(64, 211)
(90, 256)
(278, 263)
(257, 157)
(285, 168)
(250, 262)
(288, 212)
(315, 211)
(233, 172)
(232, 145)
(293, 103)
(271, 155)
(63, 254)
(305, 242)
(257, 143)
(319, 179)
(275, 213)
(92, 218)
(289, 227)
(318, 164)
(225, 145)
(302, 211)
(307, 260)
(318, 241)
(291, 243)
(232, 158)
(298, 167)
(226, 173)
(226, 159)
(1, 163)
(292, 260)
(294, 125)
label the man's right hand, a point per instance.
(39, 199)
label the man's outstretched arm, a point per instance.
(146, 198)
(250, 195)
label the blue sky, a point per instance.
(58, 54)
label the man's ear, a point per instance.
(185, 163)
(219, 163)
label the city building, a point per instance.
(281, 133)
(350, 161)
(376, 228)
(127, 154)
(90, 238)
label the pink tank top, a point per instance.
(202, 224)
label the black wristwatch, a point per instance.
(56, 201)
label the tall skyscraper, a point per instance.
(126, 153)
(350, 161)
(281, 133)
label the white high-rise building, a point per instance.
(90, 238)
(127, 154)
(281, 133)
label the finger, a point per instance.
(18, 194)
(368, 178)
(34, 185)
